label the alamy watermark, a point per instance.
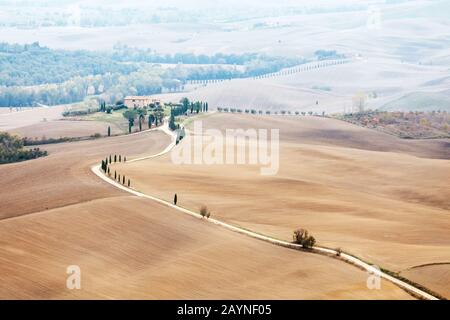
(373, 18)
(374, 279)
(73, 281)
(236, 146)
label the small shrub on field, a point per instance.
(302, 237)
(204, 211)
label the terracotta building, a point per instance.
(140, 101)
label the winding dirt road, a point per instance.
(317, 249)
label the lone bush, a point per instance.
(302, 237)
(203, 211)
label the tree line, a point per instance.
(31, 74)
(269, 112)
(153, 113)
(108, 87)
(105, 167)
(184, 108)
(31, 64)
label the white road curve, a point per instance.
(343, 256)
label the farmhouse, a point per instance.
(140, 101)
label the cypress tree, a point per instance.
(123, 180)
(110, 159)
(172, 125)
(115, 158)
(109, 131)
(109, 171)
(115, 174)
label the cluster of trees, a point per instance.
(108, 87)
(259, 65)
(122, 52)
(31, 74)
(12, 149)
(303, 238)
(256, 63)
(184, 108)
(31, 64)
(103, 107)
(328, 54)
(153, 113)
(109, 108)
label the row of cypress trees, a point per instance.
(106, 169)
(122, 179)
(111, 159)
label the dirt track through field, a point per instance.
(315, 192)
(130, 247)
(63, 177)
(70, 224)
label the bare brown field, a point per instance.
(384, 199)
(129, 247)
(29, 117)
(386, 84)
(437, 277)
(56, 213)
(4, 110)
(331, 132)
(64, 177)
(65, 128)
